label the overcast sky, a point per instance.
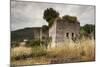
(30, 14)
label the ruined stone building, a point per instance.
(63, 31)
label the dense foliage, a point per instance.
(88, 30)
(33, 43)
(49, 15)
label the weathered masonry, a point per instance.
(63, 31)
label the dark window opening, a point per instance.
(43, 37)
(67, 34)
(72, 34)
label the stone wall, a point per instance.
(63, 31)
(66, 30)
(52, 35)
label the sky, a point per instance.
(30, 14)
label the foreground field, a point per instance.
(73, 52)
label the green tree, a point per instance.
(49, 15)
(89, 28)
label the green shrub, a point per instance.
(38, 51)
(18, 53)
(33, 43)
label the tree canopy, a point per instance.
(49, 15)
(87, 30)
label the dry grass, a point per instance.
(73, 52)
(87, 50)
(84, 50)
(20, 52)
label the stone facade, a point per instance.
(63, 31)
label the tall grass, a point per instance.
(20, 52)
(23, 52)
(87, 50)
(84, 50)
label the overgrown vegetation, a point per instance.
(88, 30)
(70, 19)
(36, 52)
(33, 43)
(49, 15)
(27, 52)
(70, 52)
(18, 53)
